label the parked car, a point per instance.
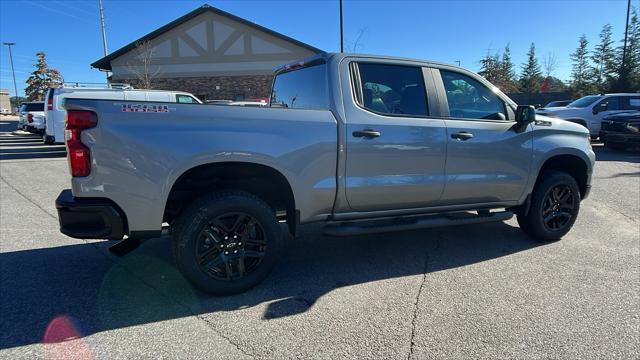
(589, 111)
(559, 103)
(31, 116)
(621, 130)
(362, 144)
(55, 114)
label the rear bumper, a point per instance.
(90, 218)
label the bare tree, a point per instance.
(143, 69)
(353, 47)
(550, 64)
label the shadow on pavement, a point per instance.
(21, 145)
(84, 288)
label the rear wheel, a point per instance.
(555, 203)
(227, 242)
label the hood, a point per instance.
(559, 124)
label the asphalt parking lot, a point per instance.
(482, 291)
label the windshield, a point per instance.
(584, 101)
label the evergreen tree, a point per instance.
(41, 79)
(531, 75)
(490, 68)
(605, 67)
(581, 83)
(629, 72)
(507, 74)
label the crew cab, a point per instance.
(589, 111)
(362, 144)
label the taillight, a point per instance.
(30, 118)
(50, 103)
(78, 154)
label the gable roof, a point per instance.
(105, 62)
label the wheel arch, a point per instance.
(263, 181)
(571, 164)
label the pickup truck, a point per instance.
(363, 144)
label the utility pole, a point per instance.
(13, 72)
(626, 31)
(104, 36)
(341, 30)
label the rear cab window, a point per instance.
(32, 107)
(302, 88)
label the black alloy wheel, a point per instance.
(557, 208)
(231, 246)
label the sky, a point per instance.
(446, 31)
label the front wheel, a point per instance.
(555, 203)
(227, 242)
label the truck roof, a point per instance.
(324, 57)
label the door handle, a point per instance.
(462, 135)
(366, 133)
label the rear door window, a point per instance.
(305, 88)
(631, 103)
(391, 89)
(158, 96)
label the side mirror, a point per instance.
(525, 114)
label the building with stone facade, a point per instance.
(207, 52)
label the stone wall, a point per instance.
(215, 88)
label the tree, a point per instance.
(550, 64)
(508, 75)
(16, 101)
(490, 68)
(531, 75)
(605, 68)
(629, 73)
(143, 69)
(41, 79)
(581, 84)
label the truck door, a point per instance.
(487, 159)
(395, 151)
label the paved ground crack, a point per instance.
(419, 293)
(28, 198)
(134, 275)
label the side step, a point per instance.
(349, 228)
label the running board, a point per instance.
(349, 228)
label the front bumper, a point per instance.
(619, 137)
(90, 218)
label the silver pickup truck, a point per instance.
(361, 143)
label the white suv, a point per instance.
(589, 110)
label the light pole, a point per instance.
(341, 31)
(104, 35)
(13, 72)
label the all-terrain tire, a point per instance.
(533, 223)
(199, 216)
